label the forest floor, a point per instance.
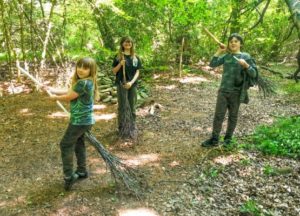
(183, 178)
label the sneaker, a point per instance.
(82, 175)
(69, 181)
(227, 141)
(213, 141)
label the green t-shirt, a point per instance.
(82, 107)
(232, 78)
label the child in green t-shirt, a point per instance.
(81, 96)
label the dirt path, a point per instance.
(183, 178)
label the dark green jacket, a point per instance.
(235, 78)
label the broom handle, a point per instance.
(124, 72)
(212, 36)
(39, 84)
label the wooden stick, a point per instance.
(213, 37)
(124, 72)
(39, 84)
(236, 58)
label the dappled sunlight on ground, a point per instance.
(13, 87)
(193, 80)
(58, 115)
(200, 129)
(137, 212)
(228, 159)
(141, 160)
(3, 203)
(97, 160)
(105, 117)
(169, 87)
(80, 210)
(100, 171)
(99, 106)
(25, 112)
(17, 201)
(156, 76)
(174, 164)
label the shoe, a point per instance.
(69, 181)
(213, 141)
(82, 175)
(227, 141)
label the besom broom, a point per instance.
(127, 127)
(121, 172)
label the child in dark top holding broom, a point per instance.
(81, 96)
(238, 67)
(126, 67)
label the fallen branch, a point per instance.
(272, 71)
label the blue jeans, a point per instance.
(73, 141)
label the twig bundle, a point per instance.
(127, 128)
(265, 86)
(121, 172)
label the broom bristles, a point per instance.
(127, 128)
(121, 172)
(265, 86)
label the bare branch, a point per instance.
(260, 20)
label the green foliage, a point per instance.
(245, 162)
(282, 138)
(157, 27)
(250, 207)
(213, 172)
(291, 87)
(268, 170)
(3, 57)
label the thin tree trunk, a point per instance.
(42, 8)
(45, 46)
(49, 26)
(180, 60)
(7, 37)
(21, 17)
(294, 8)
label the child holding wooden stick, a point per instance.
(81, 97)
(126, 67)
(238, 71)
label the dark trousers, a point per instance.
(226, 101)
(131, 97)
(73, 141)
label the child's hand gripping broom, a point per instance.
(121, 172)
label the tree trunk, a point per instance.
(104, 29)
(49, 26)
(294, 8)
(180, 60)
(7, 37)
(235, 16)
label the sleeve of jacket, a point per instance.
(252, 70)
(217, 61)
